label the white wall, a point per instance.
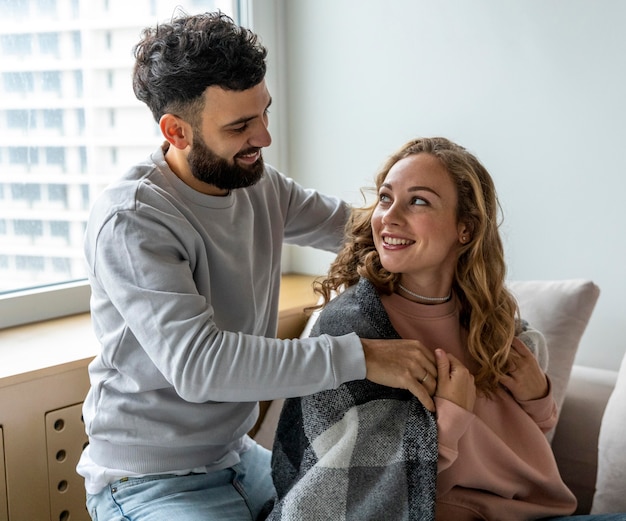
(536, 89)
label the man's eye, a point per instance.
(239, 130)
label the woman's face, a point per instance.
(415, 226)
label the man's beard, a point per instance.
(210, 168)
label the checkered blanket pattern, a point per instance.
(360, 452)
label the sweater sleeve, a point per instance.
(543, 411)
(154, 274)
(311, 218)
(452, 423)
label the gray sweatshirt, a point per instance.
(185, 304)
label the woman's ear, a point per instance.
(464, 233)
(177, 131)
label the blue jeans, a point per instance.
(233, 494)
(590, 517)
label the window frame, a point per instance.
(44, 303)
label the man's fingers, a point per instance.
(423, 395)
(405, 364)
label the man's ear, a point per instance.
(176, 131)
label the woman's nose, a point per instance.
(392, 215)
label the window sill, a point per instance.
(51, 346)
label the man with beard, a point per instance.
(184, 264)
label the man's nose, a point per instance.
(261, 137)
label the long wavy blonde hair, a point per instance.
(488, 310)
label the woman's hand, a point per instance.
(526, 380)
(454, 381)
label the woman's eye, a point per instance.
(418, 201)
(383, 198)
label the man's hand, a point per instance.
(455, 382)
(526, 380)
(403, 364)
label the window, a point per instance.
(18, 45)
(53, 118)
(49, 43)
(29, 194)
(64, 89)
(55, 156)
(51, 81)
(25, 156)
(30, 229)
(18, 82)
(21, 119)
(60, 229)
(58, 192)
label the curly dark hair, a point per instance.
(177, 61)
(488, 310)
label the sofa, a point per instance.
(588, 441)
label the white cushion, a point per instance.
(610, 493)
(561, 310)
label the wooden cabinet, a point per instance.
(43, 435)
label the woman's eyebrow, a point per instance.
(417, 188)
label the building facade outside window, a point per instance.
(70, 124)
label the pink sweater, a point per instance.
(495, 463)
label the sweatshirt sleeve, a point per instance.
(154, 307)
(543, 411)
(311, 218)
(452, 423)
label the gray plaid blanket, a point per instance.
(360, 452)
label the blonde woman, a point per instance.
(425, 261)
